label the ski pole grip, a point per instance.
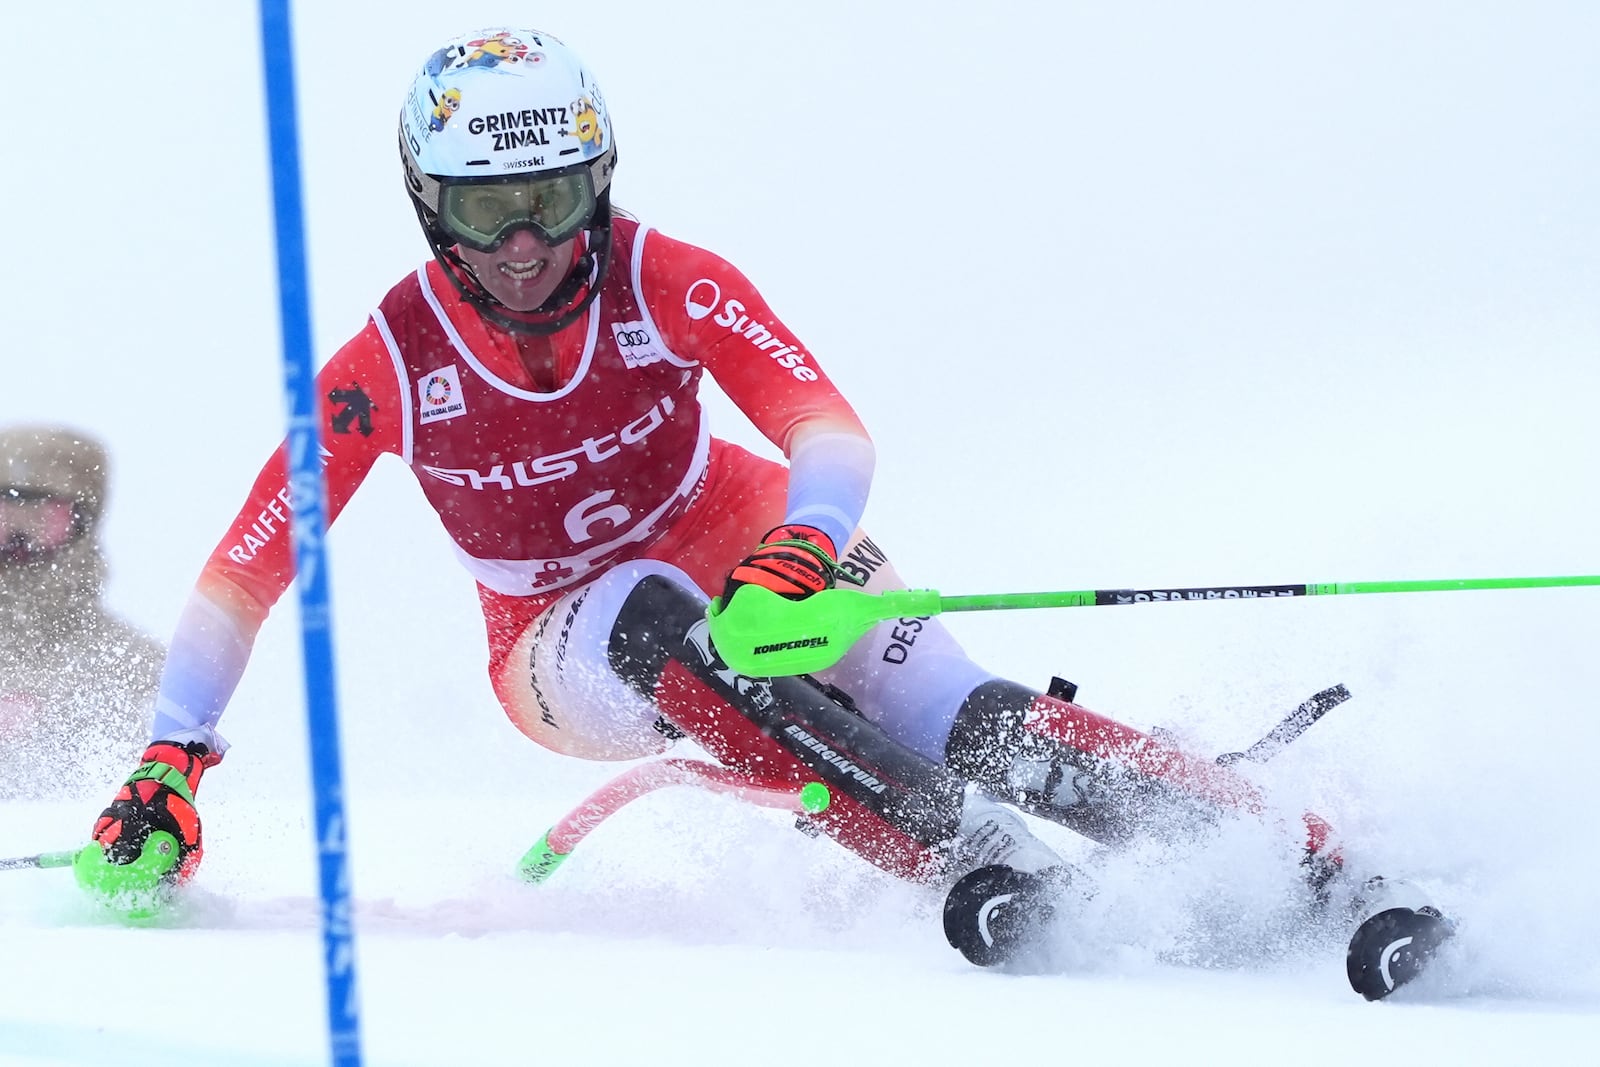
(135, 891)
(761, 634)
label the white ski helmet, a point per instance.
(506, 129)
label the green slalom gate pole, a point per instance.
(761, 634)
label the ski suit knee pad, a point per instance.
(891, 805)
(559, 687)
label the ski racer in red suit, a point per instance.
(540, 376)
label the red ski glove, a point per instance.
(159, 795)
(792, 561)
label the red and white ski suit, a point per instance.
(551, 459)
(566, 468)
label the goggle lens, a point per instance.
(481, 215)
(33, 526)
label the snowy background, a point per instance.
(1130, 295)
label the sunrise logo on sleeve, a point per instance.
(439, 395)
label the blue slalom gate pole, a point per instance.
(308, 498)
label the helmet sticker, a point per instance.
(485, 53)
(445, 104)
(586, 124)
(493, 51)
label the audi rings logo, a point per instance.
(698, 291)
(637, 343)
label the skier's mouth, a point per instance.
(523, 271)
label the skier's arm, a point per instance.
(772, 378)
(254, 563)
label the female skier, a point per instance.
(540, 376)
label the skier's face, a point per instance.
(523, 272)
(35, 525)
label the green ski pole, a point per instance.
(42, 860)
(761, 634)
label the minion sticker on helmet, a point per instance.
(506, 129)
(502, 47)
(484, 52)
(586, 124)
(448, 102)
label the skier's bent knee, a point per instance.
(559, 686)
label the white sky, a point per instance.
(1130, 295)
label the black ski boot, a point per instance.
(1006, 902)
(994, 915)
(1393, 947)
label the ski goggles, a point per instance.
(35, 524)
(481, 213)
